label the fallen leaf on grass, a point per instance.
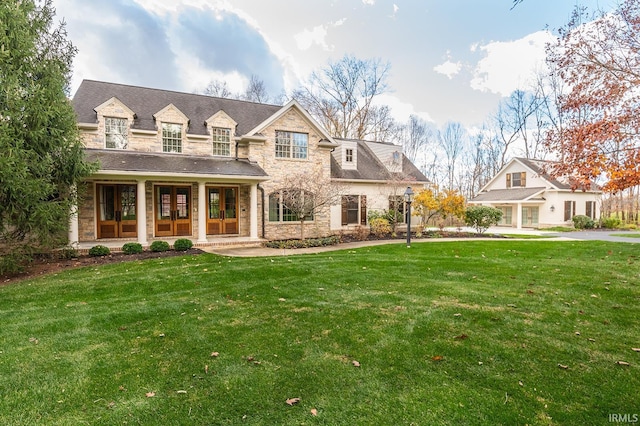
(206, 369)
(457, 315)
(314, 412)
(461, 337)
(626, 364)
(564, 367)
(150, 394)
(355, 363)
(436, 358)
(292, 401)
(215, 354)
(635, 349)
(33, 340)
(181, 391)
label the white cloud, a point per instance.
(369, 2)
(448, 68)
(400, 110)
(308, 38)
(508, 66)
(396, 8)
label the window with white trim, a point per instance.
(171, 137)
(115, 133)
(221, 141)
(292, 145)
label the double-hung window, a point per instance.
(171, 137)
(292, 145)
(221, 141)
(516, 180)
(354, 209)
(115, 132)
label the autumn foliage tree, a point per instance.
(600, 63)
(431, 203)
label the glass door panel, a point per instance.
(117, 211)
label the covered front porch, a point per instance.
(160, 197)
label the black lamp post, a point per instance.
(408, 198)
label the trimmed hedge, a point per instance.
(158, 246)
(309, 242)
(132, 248)
(182, 244)
(99, 250)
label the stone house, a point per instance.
(179, 165)
(530, 198)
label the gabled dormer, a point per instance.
(112, 127)
(348, 155)
(221, 127)
(172, 125)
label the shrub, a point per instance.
(158, 246)
(583, 222)
(380, 226)
(182, 244)
(309, 242)
(97, 251)
(631, 226)
(482, 217)
(67, 253)
(132, 248)
(360, 233)
(611, 222)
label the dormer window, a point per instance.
(516, 180)
(115, 133)
(221, 141)
(349, 155)
(171, 137)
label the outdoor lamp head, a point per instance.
(408, 195)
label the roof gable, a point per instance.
(295, 106)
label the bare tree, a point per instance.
(417, 137)
(511, 122)
(452, 140)
(217, 88)
(308, 194)
(256, 91)
(340, 96)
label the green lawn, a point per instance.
(472, 332)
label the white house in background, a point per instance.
(530, 198)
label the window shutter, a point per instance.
(363, 209)
(568, 210)
(345, 220)
(523, 179)
(508, 180)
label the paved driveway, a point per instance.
(597, 235)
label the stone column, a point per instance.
(202, 213)
(74, 227)
(141, 214)
(253, 211)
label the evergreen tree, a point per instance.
(41, 157)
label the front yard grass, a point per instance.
(471, 332)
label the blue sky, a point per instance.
(451, 60)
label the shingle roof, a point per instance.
(369, 166)
(513, 194)
(146, 162)
(145, 102)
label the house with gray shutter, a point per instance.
(181, 165)
(530, 198)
